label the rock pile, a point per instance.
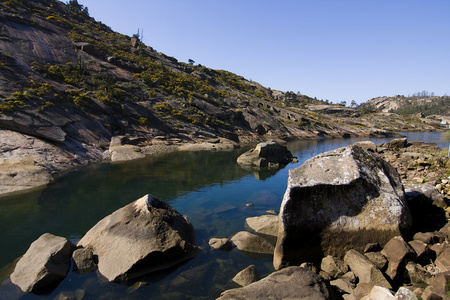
(414, 161)
(418, 267)
(443, 186)
(411, 265)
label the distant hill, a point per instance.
(426, 106)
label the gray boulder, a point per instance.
(267, 154)
(335, 198)
(267, 224)
(333, 266)
(443, 261)
(146, 235)
(246, 276)
(365, 270)
(249, 242)
(45, 263)
(289, 283)
(221, 244)
(83, 260)
(398, 253)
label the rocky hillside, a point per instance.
(72, 91)
(423, 105)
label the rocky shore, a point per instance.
(354, 228)
(406, 261)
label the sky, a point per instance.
(336, 50)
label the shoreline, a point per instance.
(27, 171)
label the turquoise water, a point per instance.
(210, 188)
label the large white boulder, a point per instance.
(334, 199)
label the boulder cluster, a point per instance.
(348, 228)
(389, 244)
(145, 236)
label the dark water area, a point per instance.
(210, 188)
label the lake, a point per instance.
(210, 188)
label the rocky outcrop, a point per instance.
(144, 236)
(289, 283)
(267, 154)
(45, 263)
(335, 198)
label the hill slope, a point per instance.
(72, 92)
(431, 105)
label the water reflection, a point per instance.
(209, 187)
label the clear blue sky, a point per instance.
(340, 50)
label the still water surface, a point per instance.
(209, 187)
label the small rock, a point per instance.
(342, 285)
(310, 266)
(379, 292)
(378, 259)
(83, 260)
(364, 269)
(443, 261)
(246, 241)
(425, 237)
(136, 286)
(372, 247)
(221, 244)
(246, 276)
(267, 224)
(333, 266)
(46, 262)
(398, 253)
(405, 294)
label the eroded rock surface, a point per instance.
(335, 198)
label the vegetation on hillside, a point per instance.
(428, 106)
(173, 86)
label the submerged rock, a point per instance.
(336, 198)
(144, 236)
(266, 224)
(45, 263)
(267, 154)
(249, 242)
